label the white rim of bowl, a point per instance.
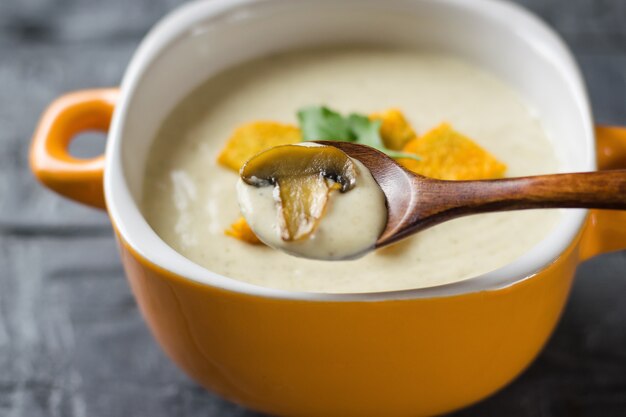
(138, 234)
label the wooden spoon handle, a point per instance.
(603, 190)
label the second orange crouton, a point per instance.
(448, 155)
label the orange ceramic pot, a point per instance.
(407, 353)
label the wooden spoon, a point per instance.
(415, 202)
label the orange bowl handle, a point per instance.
(78, 179)
(606, 229)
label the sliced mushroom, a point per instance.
(304, 177)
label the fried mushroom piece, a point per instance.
(303, 177)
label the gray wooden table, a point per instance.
(72, 342)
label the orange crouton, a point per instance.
(242, 231)
(448, 155)
(395, 130)
(252, 138)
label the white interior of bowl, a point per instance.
(206, 37)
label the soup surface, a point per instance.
(190, 200)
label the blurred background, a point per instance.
(72, 342)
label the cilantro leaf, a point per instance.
(322, 123)
(367, 131)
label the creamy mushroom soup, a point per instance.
(189, 199)
(342, 233)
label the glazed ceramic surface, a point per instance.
(407, 353)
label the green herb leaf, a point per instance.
(322, 123)
(367, 131)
